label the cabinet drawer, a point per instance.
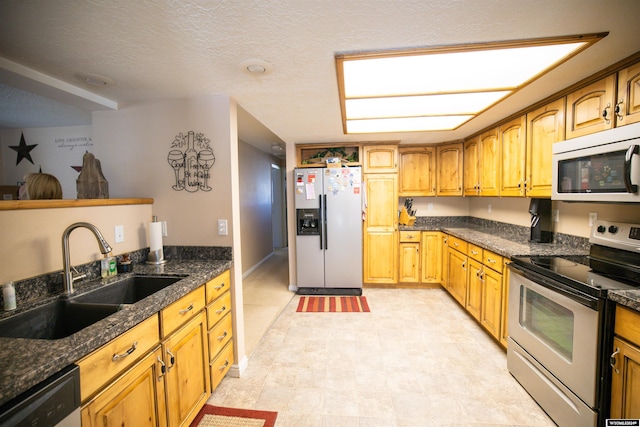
(628, 324)
(458, 244)
(493, 261)
(409, 236)
(102, 365)
(475, 252)
(218, 309)
(181, 311)
(221, 365)
(220, 335)
(217, 286)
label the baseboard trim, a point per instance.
(257, 265)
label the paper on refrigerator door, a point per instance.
(311, 191)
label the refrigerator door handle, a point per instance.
(324, 218)
(321, 223)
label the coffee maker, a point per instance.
(540, 210)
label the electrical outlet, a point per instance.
(593, 216)
(555, 214)
(489, 208)
(429, 206)
(222, 227)
(119, 233)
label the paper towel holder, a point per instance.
(155, 257)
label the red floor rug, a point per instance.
(332, 304)
(211, 415)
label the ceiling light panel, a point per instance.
(456, 81)
(406, 124)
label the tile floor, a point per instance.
(416, 360)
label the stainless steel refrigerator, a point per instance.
(328, 205)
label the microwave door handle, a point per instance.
(631, 188)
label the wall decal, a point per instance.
(23, 150)
(191, 158)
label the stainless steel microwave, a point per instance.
(601, 167)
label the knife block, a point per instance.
(405, 219)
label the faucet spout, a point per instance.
(102, 243)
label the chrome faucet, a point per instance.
(104, 248)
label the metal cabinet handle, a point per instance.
(163, 369)
(223, 367)
(117, 357)
(220, 286)
(224, 307)
(186, 310)
(455, 244)
(474, 252)
(618, 110)
(612, 361)
(172, 360)
(223, 336)
(605, 114)
(493, 261)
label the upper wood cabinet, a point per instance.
(591, 108)
(627, 109)
(417, 171)
(489, 172)
(380, 158)
(450, 170)
(545, 126)
(513, 148)
(471, 175)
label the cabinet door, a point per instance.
(187, 378)
(471, 175)
(380, 251)
(628, 102)
(491, 311)
(135, 399)
(489, 171)
(591, 108)
(545, 126)
(474, 288)
(625, 383)
(431, 249)
(409, 262)
(457, 263)
(445, 261)
(380, 158)
(504, 312)
(513, 154)
(450, 169)
(417, 175)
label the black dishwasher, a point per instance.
(53, 402)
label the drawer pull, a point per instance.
(223, 336)
(220, 286)
(224, 307)
(117, 357)
(493, 261)
(172, 360)
(186, 310)
(474, 252)
(455, 244)
(163, 369)
(223, 367)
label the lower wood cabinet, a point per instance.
(409, 257)
(625, 381)
(220, 332)
(431, 252)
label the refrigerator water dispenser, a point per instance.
(308, 221)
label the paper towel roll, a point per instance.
(155, 242)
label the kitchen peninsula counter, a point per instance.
(26, 362)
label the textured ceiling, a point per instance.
(165, 49)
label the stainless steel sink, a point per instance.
(66, 316)
(127, 291)
(57, 319)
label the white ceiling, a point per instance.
(176, 48)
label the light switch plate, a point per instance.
(119, 233)
(222, 227)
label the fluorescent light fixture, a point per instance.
(443, 87)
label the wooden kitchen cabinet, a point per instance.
(445, 261)
(513, 149)
(409, 263)
(471, 175)
(449, 158)
(380, 158)
(417, 171)
(137, 398)
(380, 237)
(625, 382)
(431, 251)
(504, 310)
(187, 379)
(474, 288)
(545, 126)
(457, 269)
(627, 109)
(590, 109)
(490, 162)
(492, 290)
(220, 327)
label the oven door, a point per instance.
(558, 329)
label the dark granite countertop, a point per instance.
(629, 299)
(26, 362)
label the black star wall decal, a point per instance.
(23, 150)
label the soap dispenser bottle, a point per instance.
(9, 296)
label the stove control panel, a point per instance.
(619, 235)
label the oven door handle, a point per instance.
(631, 187)
(556, 286)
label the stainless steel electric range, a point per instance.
(561, 323)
